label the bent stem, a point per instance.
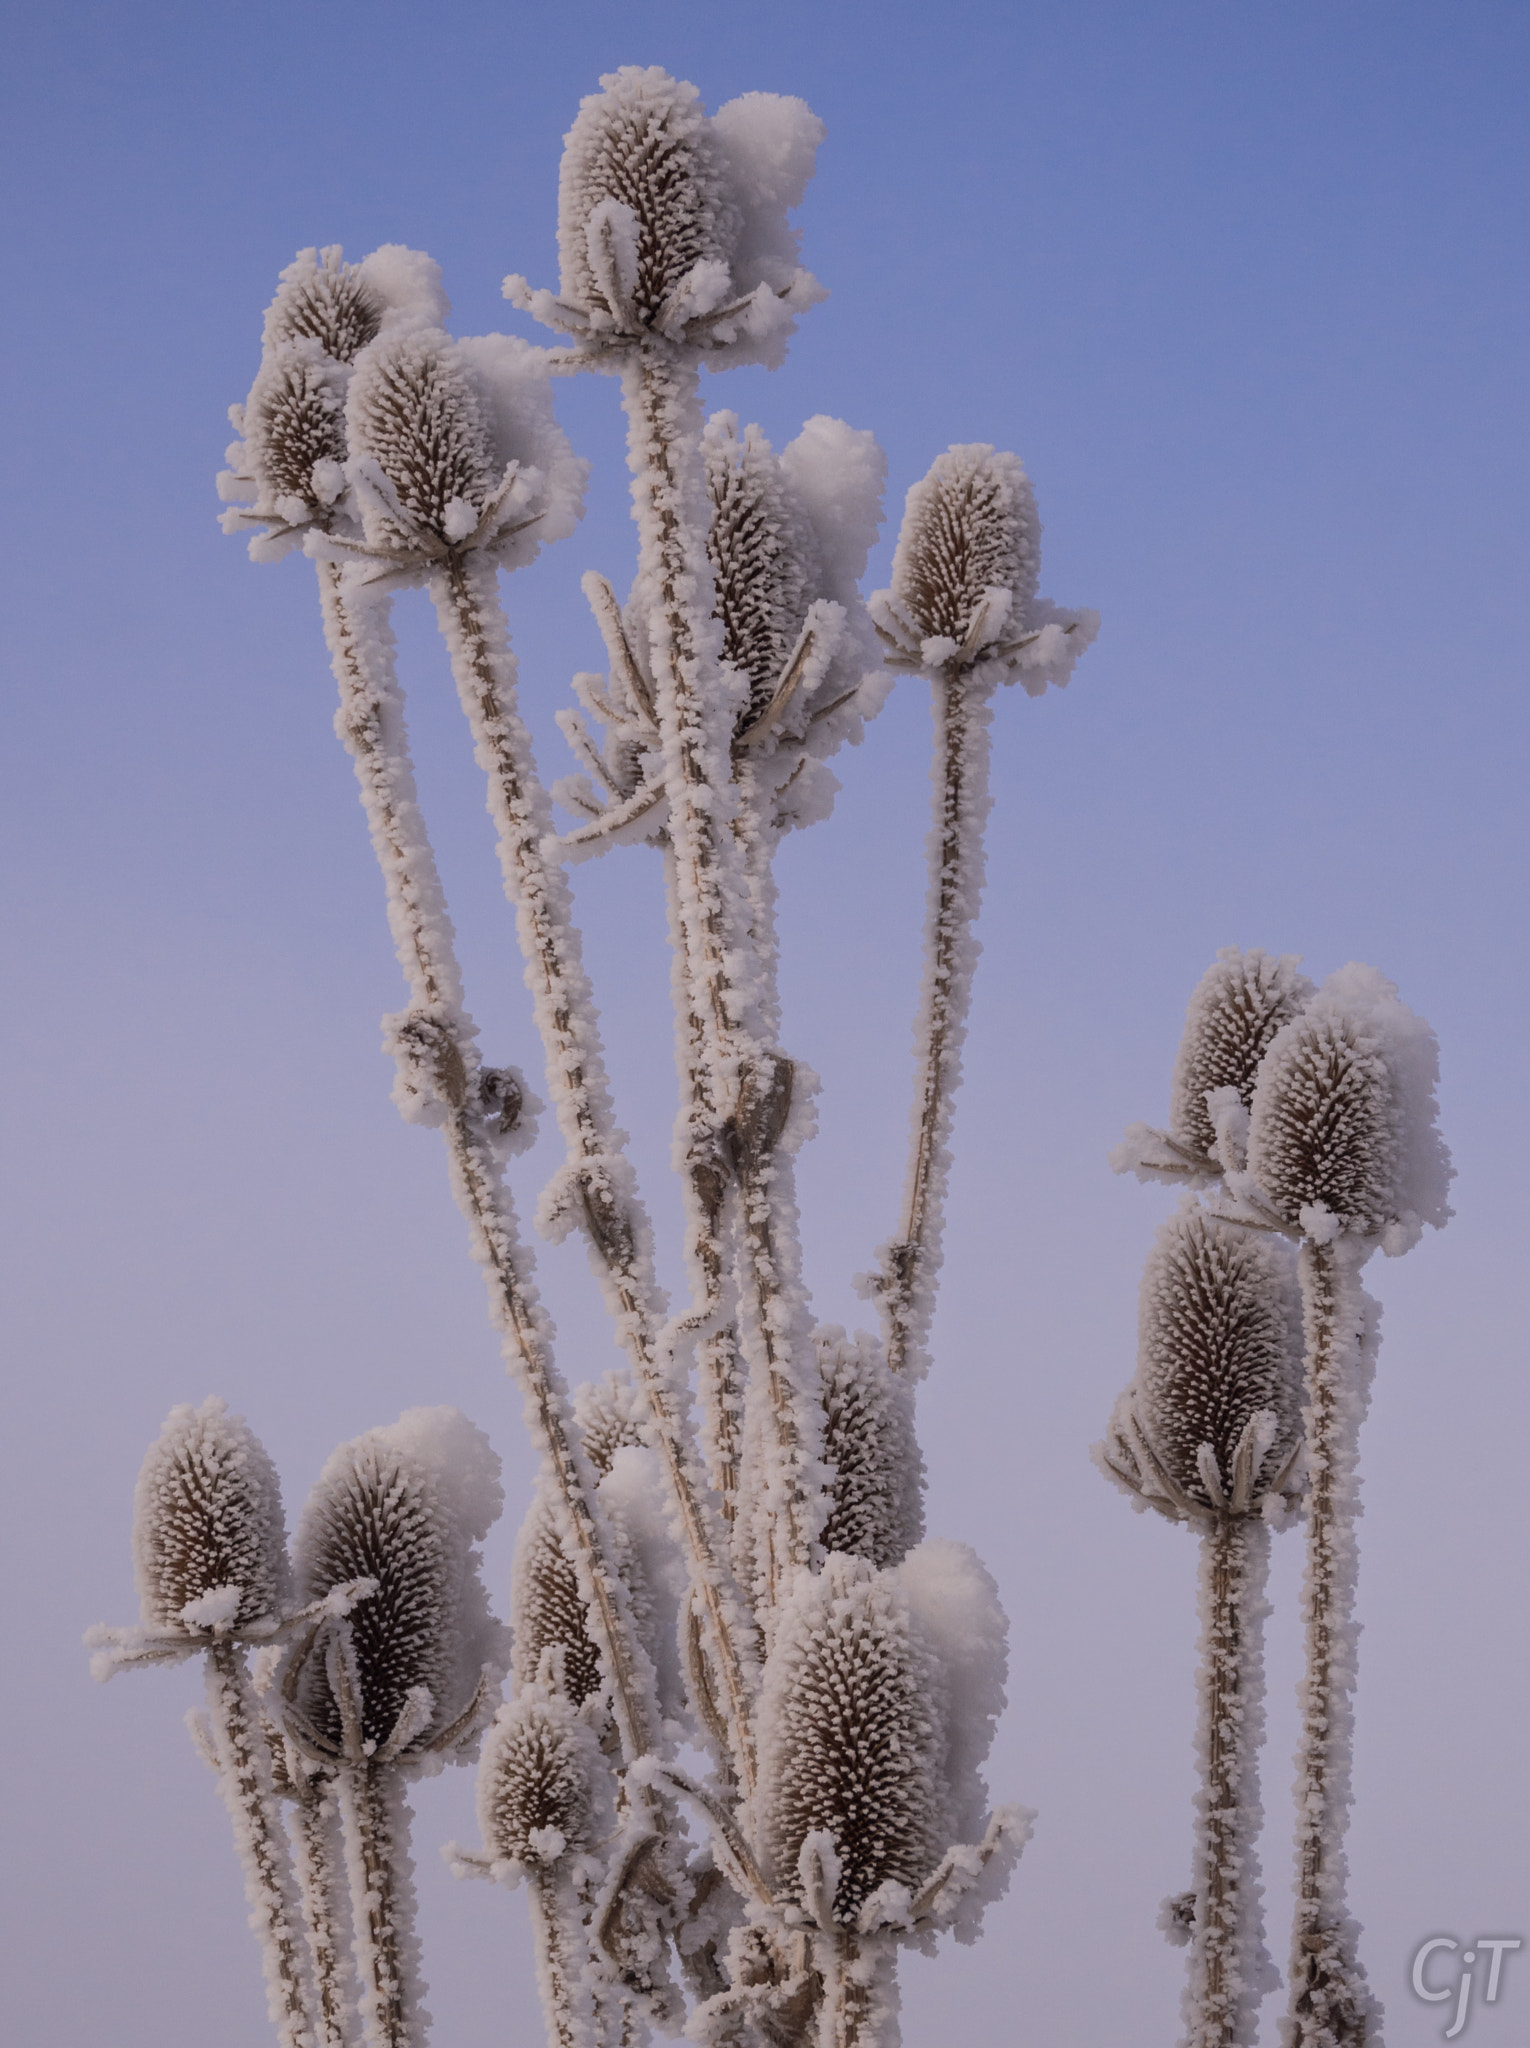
(244, 1780)
(370, 723)
(473, 625)
(1227, 1960)
(960, 775)
(1331, 2003)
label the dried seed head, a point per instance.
(763, 554)
(416, 416)
(207, 1526)
(294, 427)
(547, 1610)
(643, 198)
(1239, 1004)
(869, 1443)
(969, 528)
(852, 1741)
(1219, 1342)
(611, 1413)
(328, 300)
(1342, 1129)
(402, 1506)
(536, 1781)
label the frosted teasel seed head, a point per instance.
(612, 1414)
(289, 470)
(537, 1779)
(1239, 1004)
(209, 1544)
(1342, 1131)
(453, 447)
(547, 1610)
(965, 573)
(406, 1672)
(763, 555)
(326, 300)
(1212, 1421)
(877, 1488)
(852, 1744)
(672, 226)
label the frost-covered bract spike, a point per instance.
(326, 300)
(1342, 1132)
(611, 1413)
(642, 169)
(969, 550)
(547, 1611)
(1219, 1346)
(1239, 1004)
(877, 1488)
(209, 1546)
(851, 1737)
(763, 554)
(403, 1505)
(536, 1780)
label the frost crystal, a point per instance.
(877, 1489)
(851, 1737)
(1239, 1004)
(207, 1526)
(403, 1505)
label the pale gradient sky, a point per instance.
(1245, 287)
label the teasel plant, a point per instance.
(1305, 1115)
(724, 1553)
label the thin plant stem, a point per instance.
(314, 1826)
(375, 1821)
(244, 1779)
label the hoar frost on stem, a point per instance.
(1307, 1116)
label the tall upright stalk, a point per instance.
(370, 724)
(1332, 2005)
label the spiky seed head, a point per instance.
(852, 1736)
(869, 1444)
(327, 300)
(969, 527)
(294, 429)
(1239, 1004)
(611, 1413)
(208, 1534)
(763, 554)
(402, 1505)
(1219, 1341)
(536, 1780)
(547, 1610)
(644, 144)
(416, 413)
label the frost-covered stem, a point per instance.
(1221, 2002)
(845, 2019)
(1332, 2005)
(960, 775)
(710, 896)
(474, 628)
(376, 1823)
(314, 1844)
(559, 1963)
(370, 723)
(244, 1779)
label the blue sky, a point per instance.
(1245, 287)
